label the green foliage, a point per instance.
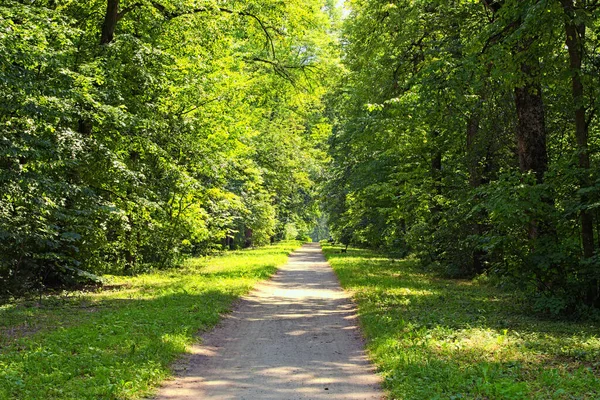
(187, 129)
(434, 338)
(120, 342)
(427, 156)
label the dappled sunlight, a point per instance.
(295, 336)
(387, 294)
(433, 335)
(136, 326)
(350, 259)
(176, 340)
(478, 345)
(274, 383)
(408, 292)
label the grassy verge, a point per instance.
(435, 338)
(119, 343)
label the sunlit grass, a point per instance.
(435, 338)
(119, 343)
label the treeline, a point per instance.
(136, 132)
(467, 133)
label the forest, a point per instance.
(465, 133)
(160, 158)
(138, 133)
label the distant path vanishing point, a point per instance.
(293, 337)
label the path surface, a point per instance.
(293, 337)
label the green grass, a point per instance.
(119, 343)
(434, 338)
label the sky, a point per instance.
(345, 11)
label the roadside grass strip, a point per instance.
(119, 343)
(434, 338)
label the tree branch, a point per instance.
(179, 114)
(269, 45)
(126, 10)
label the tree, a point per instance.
(448, 140)
(134, 130)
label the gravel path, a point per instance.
(293, 337)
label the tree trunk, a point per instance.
(575, 34)
(436, 175)
(531, 133)
(475, 180)
(531, 124)
(597, 227)
(85, 127)
(110, 22)
(248, 238)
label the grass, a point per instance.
(434, 338)
(119, 343)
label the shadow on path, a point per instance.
(294, 337)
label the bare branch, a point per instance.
(126, 10)
(281, 70)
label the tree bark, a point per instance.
(531, 124)
(110, 21)
(130, 258)
(248, 238)
(85, 127)
(531, 132)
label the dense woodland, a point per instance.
(467, 133)
(137, 132)
(464, 134)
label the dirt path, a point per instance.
(294, 337)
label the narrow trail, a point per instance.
(293, 337)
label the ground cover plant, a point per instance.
(435, 338)
(118, 343)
